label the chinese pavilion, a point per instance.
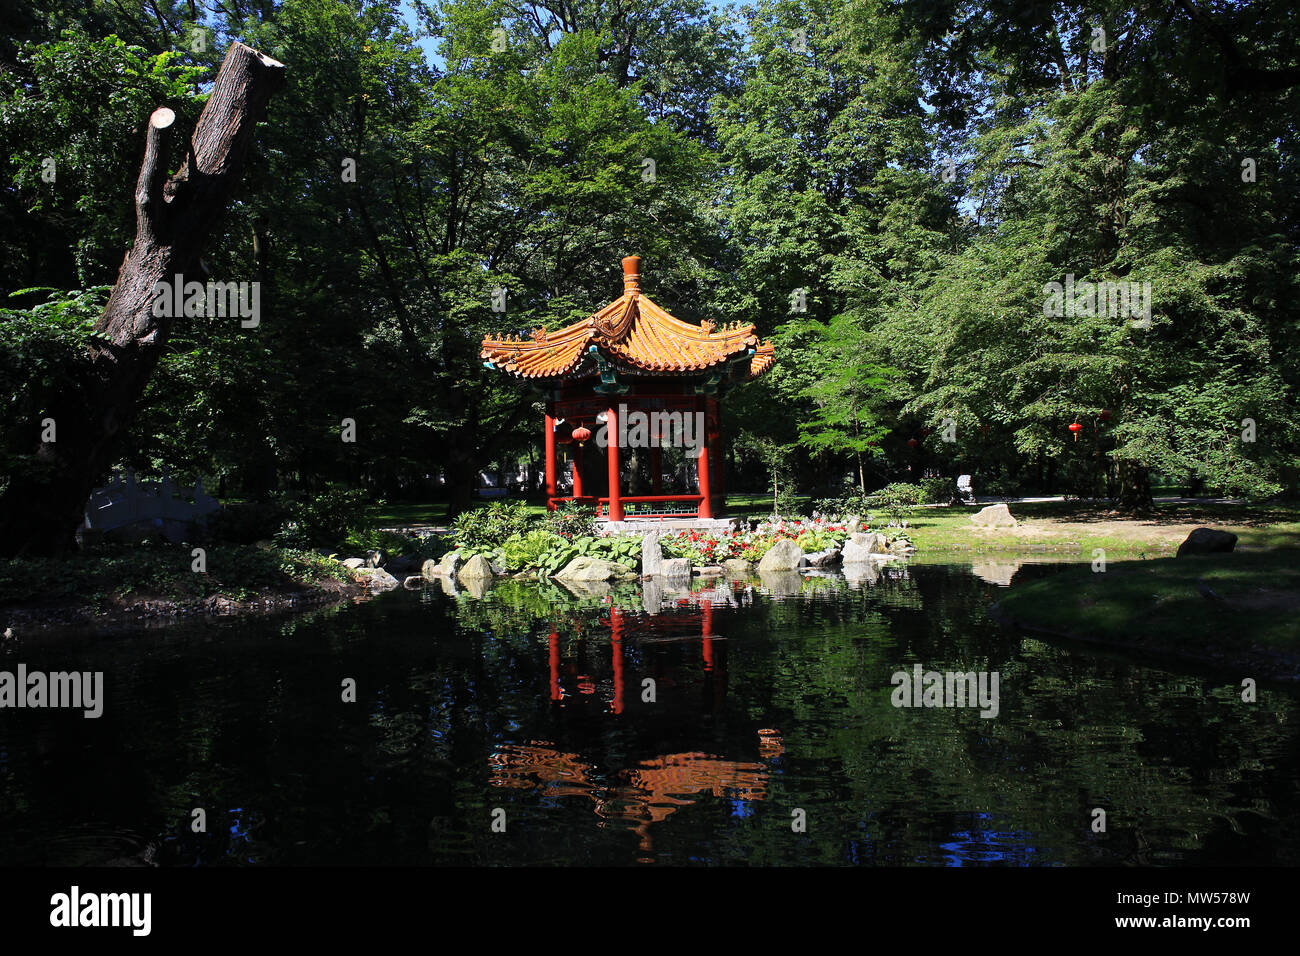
(633, 357)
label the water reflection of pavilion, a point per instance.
(641, 792)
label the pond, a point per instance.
(742, 722)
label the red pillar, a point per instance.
(576, 465)
(550, 460)
(706, 501)
(615, 490)
(616, 644)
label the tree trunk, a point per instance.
(41, 509)
(1134, 487)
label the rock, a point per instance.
(430, 570)
(353, 563)
(994, 516)
(853, 523)
(737, 568)
(708, 571)
(477, 568)
(823, 559)
(374, 559)
(414, 582)
(449, 564)
(1208, 541)
(677, 568)
(380, 580)
(587, 568)
(861, 546)
(785, 555)
(652, 556)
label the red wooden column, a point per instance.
(615, 489)
(576, 466)
(706, 501)
(550, 460)
(719, 452)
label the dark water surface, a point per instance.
(771, 697)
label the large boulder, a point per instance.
(785, 555)
(449, 564)
(353, 563)
(737, 568)
(708, 570)
(585, 568)
(862, 545)
(477, 568)
(677, 568)
(994, 516)
(824, 559)
(377, 579)
(652, 556)
(429, 570)
(1208, 541)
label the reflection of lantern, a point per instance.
(1076, 428)
(581, 434)
(912, 443)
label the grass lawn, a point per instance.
(1080, 528)
(1239, 608)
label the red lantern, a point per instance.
(1076, 428)
(912, 443)
(581, 434)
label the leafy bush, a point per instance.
(938, 491)
(571, 520)
(840, 508)
(787, 503)
(391, 543)
(326, 519)
(485, 529)
(522, 551)
(898, 500)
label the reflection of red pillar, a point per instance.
(554, 642)
(706, 629)
(616, 644)
(550, 460)
(576, 465)
(656, 470)
(615, 492)
(702, 436)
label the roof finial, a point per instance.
(631, 275)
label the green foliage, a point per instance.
(898, 500)
(571, 519)
(245, 522)
(484, 529)
(326, 519)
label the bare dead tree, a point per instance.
(42, 507)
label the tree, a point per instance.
(41, 509)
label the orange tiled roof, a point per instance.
(633, 333)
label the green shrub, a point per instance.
(938, 491)
(898, 500)
(571, 520)
(524, 551)
(325, 520)
(487, 528)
